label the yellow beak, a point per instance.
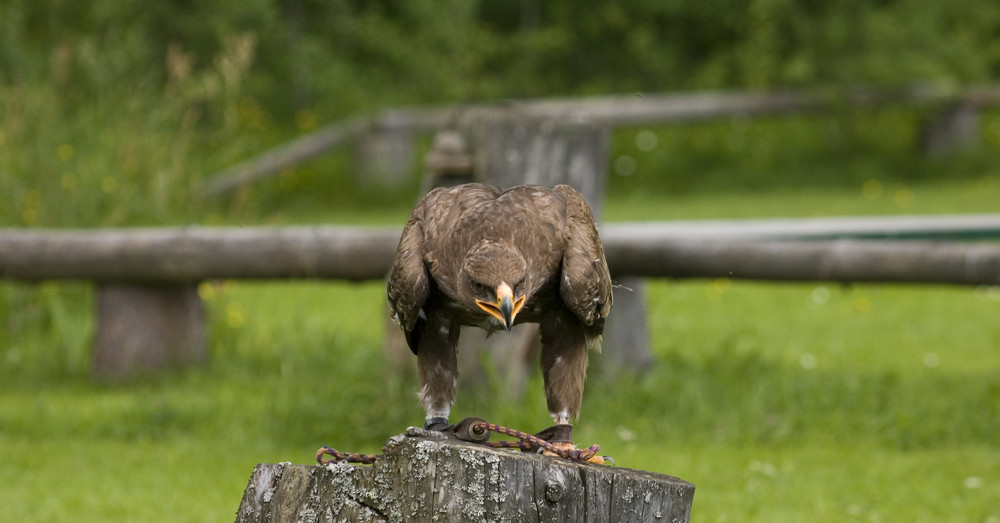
(505, 308)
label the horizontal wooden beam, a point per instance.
(286, 155)
(679, 107)
(177, 255)
(614, 110)
(318, 142)
(904, 227)
(830, 260)
(172, 255)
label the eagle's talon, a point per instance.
(568, 447)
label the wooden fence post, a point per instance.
(953, 128)
(420, 479)
(448, 163)
(512, 147)
(384, 157)
(147, 328)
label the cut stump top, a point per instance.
(422, 479)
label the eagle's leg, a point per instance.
(437, 365)
(565, 343)
(564, 365)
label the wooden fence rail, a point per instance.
(753, 249)
(150, 316)
(192, 254)
(607, 111)
(831, 260)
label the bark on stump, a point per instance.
(420, 479)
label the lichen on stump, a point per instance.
(421, 479)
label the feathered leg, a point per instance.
(437, 365)
(564, 365)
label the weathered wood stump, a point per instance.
(421, 479)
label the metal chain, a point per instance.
(344, 457)
(479, 429)
(533, 441)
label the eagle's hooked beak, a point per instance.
(505, 308)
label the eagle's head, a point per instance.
(492, 278)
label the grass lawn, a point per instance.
(781, 402)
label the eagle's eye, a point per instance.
(479, 288)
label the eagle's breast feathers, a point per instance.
(462, 239)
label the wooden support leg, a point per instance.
(147, 328)
(626, 332)
(954, 128)
(385, 158)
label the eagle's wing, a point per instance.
(409, 283)
(586, 284)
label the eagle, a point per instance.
(476, 255)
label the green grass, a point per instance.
(872, 197)
(781, 402)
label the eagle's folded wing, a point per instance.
(586, 284)
(409, 284)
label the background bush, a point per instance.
(113, 111)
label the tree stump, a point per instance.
(422, 479)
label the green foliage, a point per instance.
(775, 401)
(112, 113)
(336, 55)
(845, 149)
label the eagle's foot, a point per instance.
(417, 432)
(434, 428)
(561, 437)
(595, 459)
(561, 433)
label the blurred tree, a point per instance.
(210, 82)
(340, 56)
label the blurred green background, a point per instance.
(781, 402)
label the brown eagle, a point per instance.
(478, 255)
